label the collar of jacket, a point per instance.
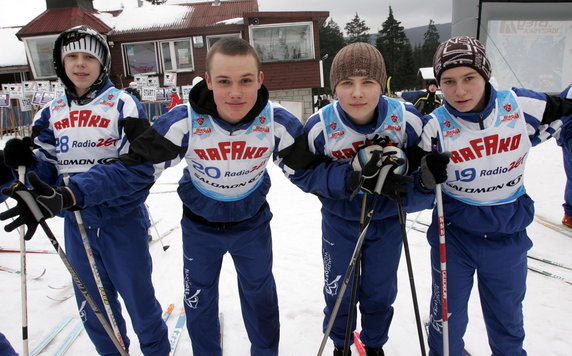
(89, 96)
(202, 101)
(476, 117)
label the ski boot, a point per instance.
(567, 221)
(339, 351)
(374, 351)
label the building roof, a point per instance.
(58, 20)
(147, 18)
(426, 73)
(177, 17)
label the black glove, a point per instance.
(433, 169)
(365, 169)
(41, 202)
(395, 185)
(18, 152)
(5, 171)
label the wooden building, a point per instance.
(157, 39)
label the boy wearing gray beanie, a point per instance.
(489, 133)
(352, 132)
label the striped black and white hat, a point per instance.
(82, 39)
(86, 44)
(461, 51)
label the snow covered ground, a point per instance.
(298, 273)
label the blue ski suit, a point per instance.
(486, 212)
(331, 133)
(72, 138)
(5, 348)
(565, 141)
(223, 190)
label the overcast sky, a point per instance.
(411, 13)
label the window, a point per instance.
(140, 58)
(177, 55)
(40, 55)
(212, 39)
(283, 42)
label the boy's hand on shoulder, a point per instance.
(18, 152)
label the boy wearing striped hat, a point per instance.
(489, 133)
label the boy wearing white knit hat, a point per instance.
(93, 123)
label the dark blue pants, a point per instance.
(377, 288)
(121, 252)
(5, 348)
(250, 246)
(501, 267)
(567, 157)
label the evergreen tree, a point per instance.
(430, 44)
(407, 69)
(397, 52)
(357, 31)
(331, 41)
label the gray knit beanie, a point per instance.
(461, 51)
(358, 59)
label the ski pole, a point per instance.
(165, 247)
(23, 283)
(95, 272)
(380, 180)
(35, 209)
(443, 263)
(349, 322)
(402, 220)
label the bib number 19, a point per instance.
(466, 175)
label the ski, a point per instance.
(163, 192)
(63, 286)
(176, 334)
(552, 263)
(9, 270)
(358, 344)
(51, 335)
(15, 271)
(418, 222)
(60, 299)
(413, 227)
(65, 345)
(548, 274)
(553, 225)
(168, 312)
(163, 235)
(5, 250)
